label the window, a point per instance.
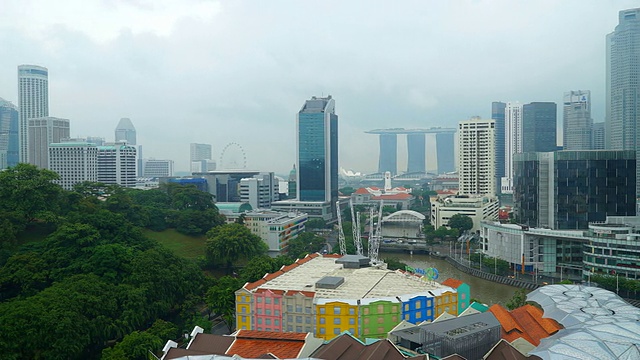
(267, 321)
(244, 318)
(259, 328)
(394, 319)
(418, 315)
(322, 331)
(406, 307)
(429, 303)
(365, 311)
(299, 308)
(406, 317)
(267, 312)
(366, 320)
(463, 296)
(336, 310)
(380, 309)
(260, 321)
(380, 320)
(428, 312)
(259, 311)
(352, 311)
(307, 309)
(267, 300)
(352, 331)
(298, 328)
(336, 331)
(352, 321)
(336, 321)
(322, 320)
(276, 301)
(307, 320)
(258, 299)
(366, 331)
(381, 330)
(290, 318)
(289, 308)
(299, 319)
(277, 313)
(394, 308)
(322, 310)
(290, 328)
(418, 304)
(276, 322)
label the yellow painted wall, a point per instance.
(447, 302)
(335, 317)
(243, 310)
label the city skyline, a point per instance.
(146, 59)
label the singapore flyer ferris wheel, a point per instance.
(233, 157)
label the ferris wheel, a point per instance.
(233, 157)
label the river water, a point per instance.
(486, 291)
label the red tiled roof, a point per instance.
(286, 268)
(336, 256)
(255, 284)
(305, 293)
(269, 277)
(451, 282)
(400, 196)
(524, 322)
(361, 191)
(273, 291)
(253, 344)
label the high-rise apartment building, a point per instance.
(9, 135)
(317, 151)
(74, 161)
(125, 131)
(40, 133)
(260, 190)
(539, 122)
(598, 136)
(512, 143)
(476, 157)
(33, 101)
(117, 164)
(623, 88)
(155, 168)
(577, 121)
(570, 189)
(498, 114)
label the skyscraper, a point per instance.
(42, 132)
(317, 151)
(476, 157)
(598, 136)
(200, 158)
(33, 101)
(539, 122)
(577, 121)
(9, 139)
(497, 114)
(623, 89)
(125, 131)
(512, 143)
(416, 153)
(117, 164)
(74, 161)
(388, 159)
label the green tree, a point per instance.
(228, 243)
(518, 299)
(461, 222)
(394, 264)
(313, 224)
(258, 266)
(30, 192)
(221, 298)
(134, 346)
(305, 243)
(347, 191)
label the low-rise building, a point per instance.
(478, 208)
(275, 228)
(157, 168)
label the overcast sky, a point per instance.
(238, 71)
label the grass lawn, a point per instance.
(188, 247)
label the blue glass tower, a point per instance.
(317, 151)
(9, 138)
(388, 160)
(416, 152)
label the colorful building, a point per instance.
(332, 294)
(463, 291)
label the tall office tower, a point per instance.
(570, 189)
(598, 136)
(539, 122)
(197, 155)
(512, 143)
(40, 133)
(117, 164)
(9, 139)
(317, 151)
(416, 162)
(623, 88)
(577, 121)
(445, 149)
(155, 168)
(74, 161)
(476, 157)
(497, 114)
(388, 159)
(33, 101)
(125, 131)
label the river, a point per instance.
(486, 291)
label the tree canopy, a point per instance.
(461, 222)
(228, 243)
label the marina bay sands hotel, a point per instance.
(416, 149)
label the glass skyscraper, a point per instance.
(317, 151)
(33, 101)
(577, 121)
(539, 122)
(416, 153)
(497, 114)
(9, 139)
(388, 159)
(623, 88)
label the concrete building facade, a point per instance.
(512, 143)
(260, 190)
(478, 208)
(74, 162)
(476, 157)
(155, 168)
(33, 101)
(577, 121)
(41, 133)
(117, 164)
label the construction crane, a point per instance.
(341, 240)
(375, 236)
(355, 225)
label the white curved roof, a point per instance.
(405, 215)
